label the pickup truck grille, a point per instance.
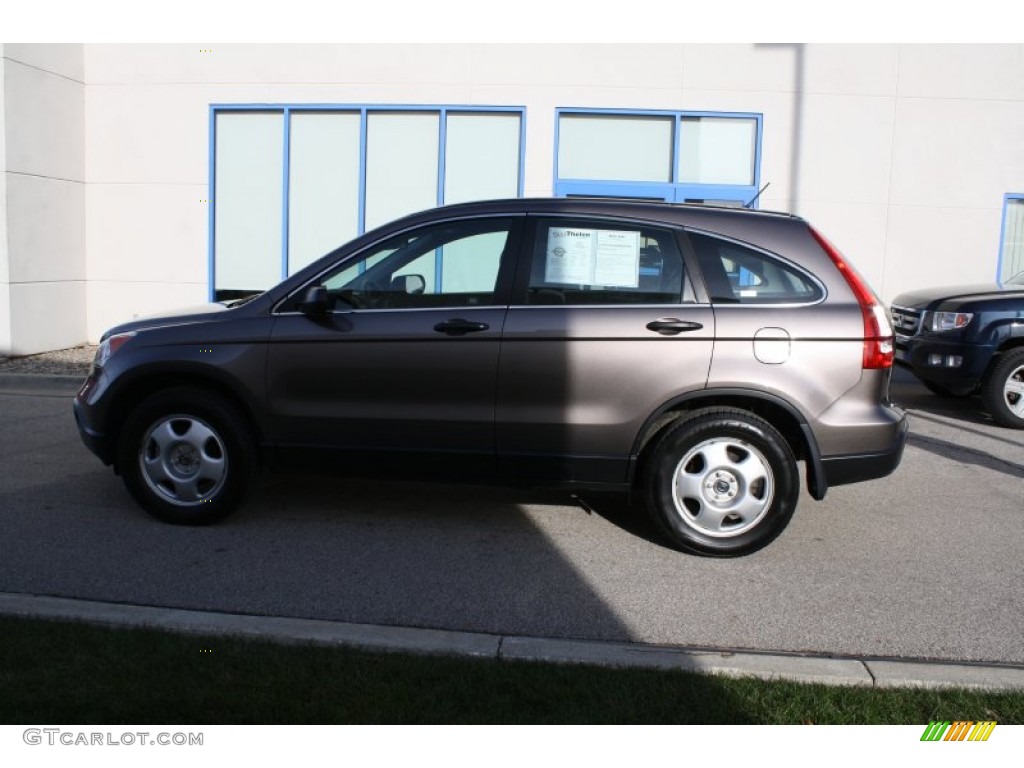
(906, 321)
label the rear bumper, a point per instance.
(843, 470)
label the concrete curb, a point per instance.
(766, 666)
(42, 383)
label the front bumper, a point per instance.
(95, 440)
(915, 352)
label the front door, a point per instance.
(406, 359)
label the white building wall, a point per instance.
(900, 154)
(43, 181)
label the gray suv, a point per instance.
(688, 353)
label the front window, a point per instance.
(456, 264)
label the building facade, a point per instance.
(140, 178)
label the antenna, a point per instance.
(754, 198)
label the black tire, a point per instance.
(721, 482)
(1003, 390)
(941, 391)
(187, 456)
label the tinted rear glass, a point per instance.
(736, 274)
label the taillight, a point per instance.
(878, 348)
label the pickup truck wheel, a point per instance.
(1003, 391)
(186, 456)
(721, 482)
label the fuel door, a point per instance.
(772, 345)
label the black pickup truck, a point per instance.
(966, 340)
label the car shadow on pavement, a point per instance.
(454, 557)
(907, 392)
(623, 510)
(965, 455)
(957, 428)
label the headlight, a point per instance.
(949, 321)
(107, 348)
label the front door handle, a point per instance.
(459, 327)
(670, 326)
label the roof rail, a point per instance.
(694, 204)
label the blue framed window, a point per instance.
(289, 183)
(1011, 241)
(707, 157)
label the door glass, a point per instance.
(446, 265)
(581, 262)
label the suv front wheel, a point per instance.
(721, 482)
(186, 456)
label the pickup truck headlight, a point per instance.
(949, 321)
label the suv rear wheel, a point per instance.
(721, 482)
(1003, 391)
(186, 456)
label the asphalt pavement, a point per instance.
(923, 565)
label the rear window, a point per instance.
(736, 274)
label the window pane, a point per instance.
(717, 150)
(470, 264)
(401, 165)
(249, 197)
(323, 198)
(1013, 240)
(447, 265)
(738, 275)
(615, 147)
(481, 157)
(578, 262)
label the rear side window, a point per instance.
(735, 274)
(604, 262)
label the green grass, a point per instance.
(75, 673)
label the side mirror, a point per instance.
(409, 284)
(314, 303)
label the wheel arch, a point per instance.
(130, 394)
(778, 412)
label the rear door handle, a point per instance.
(459, 327)
(670, 326)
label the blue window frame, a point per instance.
(675, 146)
(1011, 238)
(451, 180)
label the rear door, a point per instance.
(604, 328)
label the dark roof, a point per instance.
(612, 206)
